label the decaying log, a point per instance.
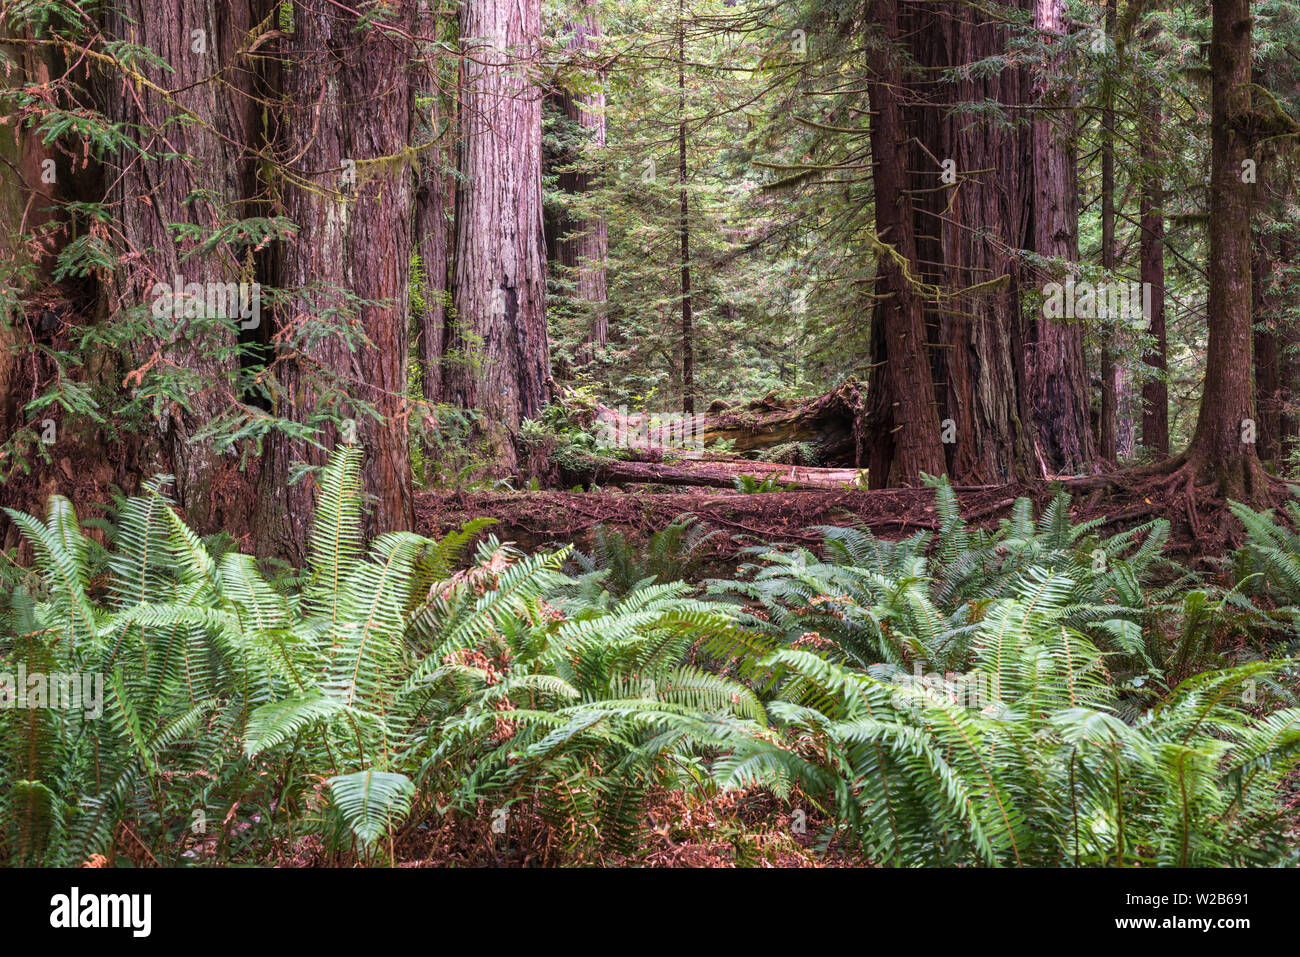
(830, 423)
(716, 472)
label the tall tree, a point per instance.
(1055, 363)
(684, 223)
(344, 334)
(1222, 451)
(27, 207)
(502, 356)
(967, 235)
(903, 424)
(173, 198)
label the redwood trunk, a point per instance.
(196, 173)
(502, 361)
(1055, 363)
(903, 433)
(966, 238)
(354, 210)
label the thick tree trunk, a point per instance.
(26, 206)
(1155, 391)
(903, 433)
(193, 169)
(502, 365)
(1223, 448)
(351, 197)
(1055, 362)
(966, 236)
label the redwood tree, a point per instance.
(193, 171)
(903, 435)
(501, 364)
(1055, 362)
(968, 235)
(344, 334)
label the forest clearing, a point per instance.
(695, 434)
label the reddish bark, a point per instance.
(1054, 362)
(351, 197)
(502, 357)
(155, 188)
(966, 238)
(902, 431)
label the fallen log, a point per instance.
(828, 424)
(712, 473)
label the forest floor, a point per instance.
(748, 828)
(537, 519)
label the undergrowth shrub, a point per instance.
(966, 697)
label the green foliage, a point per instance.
(1268, 565)
(962, 697)
(919, 599)
(751, 485)
(672, 553)
(792, 453)
(1049, 775)
(187, 643)
(379, 667)
(565, 433)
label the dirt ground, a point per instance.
(538, 519)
